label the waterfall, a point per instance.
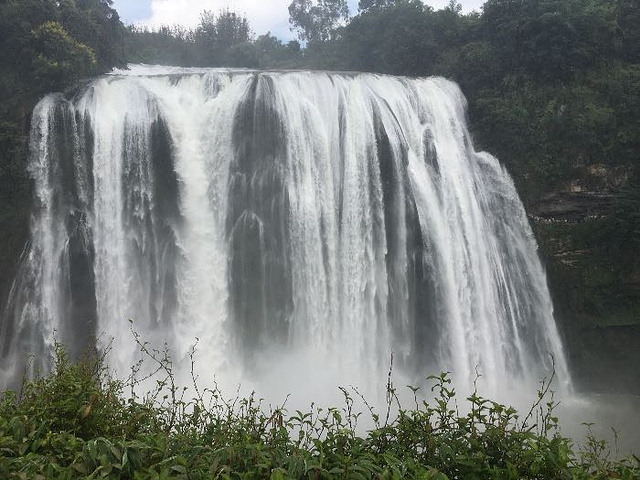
(304, 223)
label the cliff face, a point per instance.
(15, 192)
(589, 239)
(14, 233)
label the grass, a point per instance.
(77, 422)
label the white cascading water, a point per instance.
(301, 225)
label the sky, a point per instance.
(264, 15)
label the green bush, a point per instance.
(77, 423)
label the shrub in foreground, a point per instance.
(77, 423)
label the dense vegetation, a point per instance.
(76, 423)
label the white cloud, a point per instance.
(263, 15)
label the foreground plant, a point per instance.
(77, 423)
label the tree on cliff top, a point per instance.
(317, 20)
(217, 33)
(46, 45)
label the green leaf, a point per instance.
(179, 469)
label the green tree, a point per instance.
(554, 39)
(273, 53)
(242, 55)
(58, 59)
(217, 33)
(398, 39)
(366, 5)
(96, 24)
(165, 45)
(628, 15)
(317, 20)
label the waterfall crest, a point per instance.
(324, 218)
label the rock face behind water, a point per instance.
(588, 237)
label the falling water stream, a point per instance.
(302, 226)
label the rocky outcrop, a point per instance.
(589, 241)
(573, 207)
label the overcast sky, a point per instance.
(264, 15)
